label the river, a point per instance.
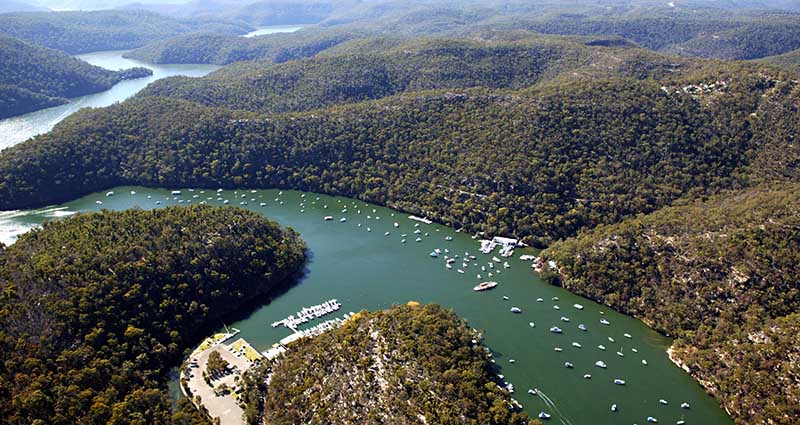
(356, 263)
(17, 129)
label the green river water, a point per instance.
(368, 270)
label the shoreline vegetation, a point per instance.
(34, 77)
(411, 364)
(97, 308)
(718, 275)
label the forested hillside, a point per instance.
(80, 31)
(719, 275)
(689, 29)
(537, 163)
(410, 364)
(790, 60)
(95, 309)
(224, 49)
(375, 68)
(34, 77)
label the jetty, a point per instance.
(307, 314)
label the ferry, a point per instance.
(483, 286)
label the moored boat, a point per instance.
(483, 286)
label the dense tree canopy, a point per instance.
(537, 163)
(721, 276)
(410, 364)
(96, 308)
(34, 77)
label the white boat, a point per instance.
(619, 382)
(685, 405)
(555, 330)
(531, 324)
(434, 254)
(98, 202)
(557, 349)
(328, 218)
(531, 391)
(600, 364)
(483, 286)
(526, 257)
(495, 259)
(611, 339)
(605, 322)
(448, 238)
(582, 327)
(505, 297)
(512, 361)
(459, 270)
(568, 365)
(634, 350)
(644, 362)
(578, 306)
(652, 419)
(602, 347)
(627, 335)
(664, 402)
(176, 192)
(576, 345)
(539, 300)
(613, 407)
(619, 353)
(109, 194)
(386, 234)
(342, 220)
(516, 310)
(396, 224)
(564, 319)
(557, 307)
(587, 376)
(544, 415)
(419, 239)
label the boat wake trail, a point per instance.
(564, 420)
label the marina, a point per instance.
(368, 270)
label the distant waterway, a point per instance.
(355, 262)
(17, 129)
(273, 30)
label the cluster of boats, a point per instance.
(307, 314)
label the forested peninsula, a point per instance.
(410, 364)
(96, 308)
(34, 77)
(720, 275)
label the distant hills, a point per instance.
(81, 32)
(34, 77)
(704, 32)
